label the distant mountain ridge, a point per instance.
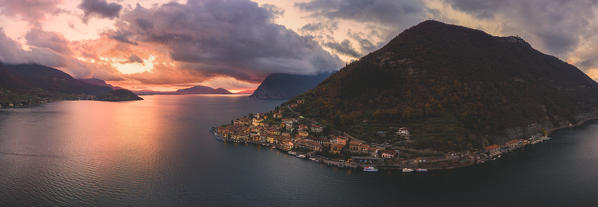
(285, 86)
(455, 88)
(27, 84)
(191, 90)
(99, 82)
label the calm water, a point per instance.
(158, 152)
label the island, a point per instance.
(437, 96)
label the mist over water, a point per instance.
(158, 152)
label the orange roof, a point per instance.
(491, 147)
(515, 141)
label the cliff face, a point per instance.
(284, 86)
(456, 88)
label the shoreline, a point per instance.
(480, 158)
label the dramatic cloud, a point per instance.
(390, 12)
(133, 59)
(556, 26)
(234, 38)
(32, 11)
(343, 47)
(100, 8)
(50, 40)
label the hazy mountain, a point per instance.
(203, 90)
(191, 90)
(284, 86)
(99, 82)
(456, 88)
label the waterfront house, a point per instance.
(286, 145)
(277, 115)
(389, 154)
(336, 148)
(302, 127)
(403, 132)
(309, 145)
(514, 144)
(321, 140)
(270, 140)
(339, 140)
(317, 128)
(493, 150)
(358, 147)
(303, 134)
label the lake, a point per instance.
(158, 152)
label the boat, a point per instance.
(421, 170)
(370, 169)
(292, 153)
(301, 156)
(273, 147)
(406, 170)
(313, 159)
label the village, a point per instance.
(286, 130)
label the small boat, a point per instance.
(301, 156)
(370, 169)
(313, 159)
(292, 153)
(273, 147)
(407, 170)
(421, 170)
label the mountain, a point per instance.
(99, 82)
(284, 86)
(191, 90)
(202, 90)
(27, 84)
(455, 88)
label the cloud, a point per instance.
(133, 59)
(32, 11)
(234, 38)
(51, 40)
(390, 12)
(99, 8)
(343, 47)
(48, 54)
(553, 25)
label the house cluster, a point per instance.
(497, 150)
(297, 134)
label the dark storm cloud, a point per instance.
(234, 37)
(134, 59)
(343, 47)
(100, 8)
(365, 44)
(554, 25)
(392, 12)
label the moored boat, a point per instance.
(370, 169)
(407, 170)
(421, 170)
(301, 156)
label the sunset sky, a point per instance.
(234, 44)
